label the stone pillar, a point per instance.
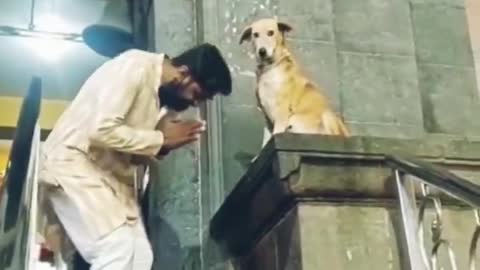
(175, 207)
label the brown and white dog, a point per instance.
(289, 100)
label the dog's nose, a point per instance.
(262, 52)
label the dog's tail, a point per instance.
(334, 125)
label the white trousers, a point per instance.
(125, 248)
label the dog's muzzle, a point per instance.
(262, 52)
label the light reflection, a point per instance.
(52, 23)
(49, 49)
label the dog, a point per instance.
(289, 100)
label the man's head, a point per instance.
(267, 37)
(194, 76)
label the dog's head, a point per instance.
(267, 37)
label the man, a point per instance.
(121, 115)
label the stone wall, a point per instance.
(175, 212)
(392, 68)
(400, 69)
(318, 236)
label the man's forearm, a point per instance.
(117, 136)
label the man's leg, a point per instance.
(116, 251)
(143, 255)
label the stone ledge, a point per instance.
(293, 168)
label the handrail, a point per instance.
(413, 218)
(440, 178)
(18, 206)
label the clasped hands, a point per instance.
(176, 133)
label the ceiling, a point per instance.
(63, 65)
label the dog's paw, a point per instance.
(287, 129)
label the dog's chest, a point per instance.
(269, 86)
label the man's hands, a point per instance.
(178, 133)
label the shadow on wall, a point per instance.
(165, 245)
(169, 254)
(174, 211)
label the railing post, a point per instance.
(31, 188)
(473, 243)
(411, 243)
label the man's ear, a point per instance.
(246, 35)
(284, 28)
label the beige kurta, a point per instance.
(115, 116)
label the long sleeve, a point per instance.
(119, 95)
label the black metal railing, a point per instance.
(17, 199)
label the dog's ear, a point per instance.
(246, 35)
(284, 28)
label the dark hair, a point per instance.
(207, 67)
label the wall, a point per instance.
(61, 79)
(175, 211)
(391, 68)
(62, 65)
(399, 69)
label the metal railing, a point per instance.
(413, 205)
(18, 208)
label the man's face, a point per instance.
(182, 92)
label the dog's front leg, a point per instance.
(267, 129)
(282, 119)
(281, 126)
(266, 136)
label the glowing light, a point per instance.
(49, 46)
(52, 23)
(49, 49)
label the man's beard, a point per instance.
(170, 97)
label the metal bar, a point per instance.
(474, 241)
(11, 31)
(420, 225)
(437, 238)
(409, 216)
(31, 24)
(439, 178)
(32, 185)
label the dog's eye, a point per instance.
(255, 35)
(270, 33)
